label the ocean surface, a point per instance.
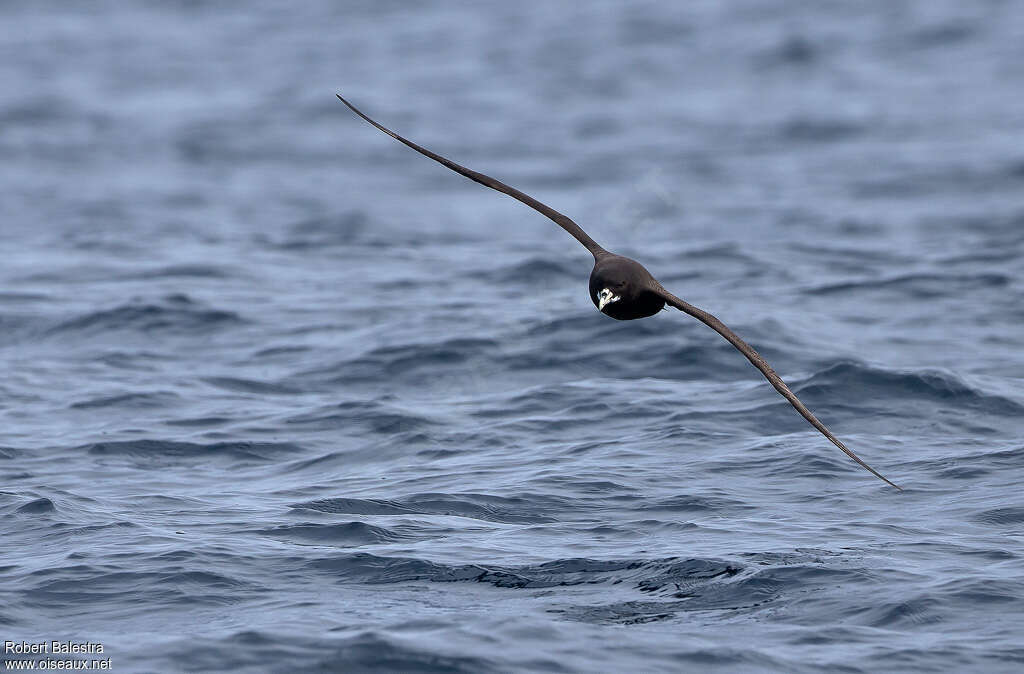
(278, 394)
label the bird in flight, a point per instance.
(622, 288)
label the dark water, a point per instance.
(279, 395)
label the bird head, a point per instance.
(605, 297)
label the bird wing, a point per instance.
(561, 220)
(766, 369)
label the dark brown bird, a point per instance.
(623, 288)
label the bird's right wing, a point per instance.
(762, 365)
(561, 220)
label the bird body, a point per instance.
(623, 289)
(629, 290)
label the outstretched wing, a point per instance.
(563, 221)
(766, 369)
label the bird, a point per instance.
(623, 289)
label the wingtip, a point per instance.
(350, 106)
(879, 475)
(886, 480)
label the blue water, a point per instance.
(278, 394)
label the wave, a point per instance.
(340, 229)
(367, 651)
(11, 297)
(251, 386)
(198, 422)
(949, 33)
(129, 400)
(837, 384)
(1012, 516)
(37, 506)
(406, 360)
(346, 534)
(364, 567)
(524, 509)
(532, 272)
(174, 314)
(286, 350)
(956, 463)
(794, 50)
(150, 449)
(654, 588)
(685, 503)
(90, 584)
(206, 271)
(850, 390)
(377, 416)
(918, 286)
(807, 130)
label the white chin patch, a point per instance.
(606, 297)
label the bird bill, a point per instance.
(606, 297)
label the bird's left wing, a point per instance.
(766, 369)
(563, 221)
